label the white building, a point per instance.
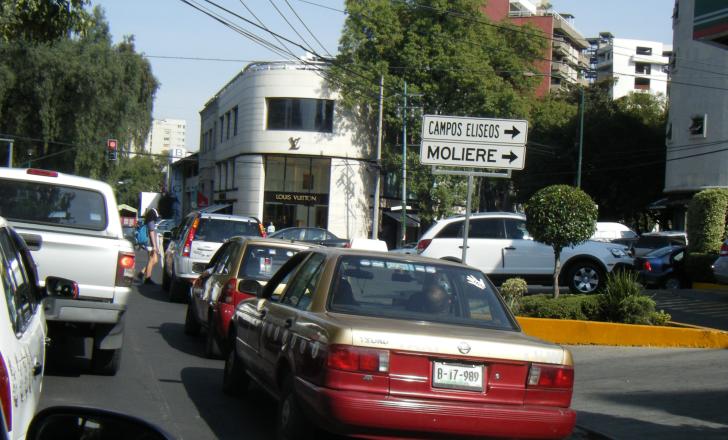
(697, 132)
(635, 65)
(275, 145)
(165, 136)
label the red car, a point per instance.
(236, 271)
(378, 345)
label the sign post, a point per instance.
(496, 145)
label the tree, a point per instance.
(42, 20)
(134, 175)
(560, 216)
(452, 58)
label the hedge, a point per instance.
(706, 220)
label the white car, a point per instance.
(500, 246)
(22, 332)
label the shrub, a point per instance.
(582, 307)
(622, 301)
(706, 224)
(513, 290)
(698, 266)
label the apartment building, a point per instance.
(167, 137)
(566, 47)
(633, 65)
(275, 145)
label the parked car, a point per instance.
(720, 267)
(407, 248)
(500, 246)
(200, 235)
(650, 241)
(72, 227)
(22, 331)
(361, 342)
(237, 271)
(311, 235)
(614, 232)
(664, 267)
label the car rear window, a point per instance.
(43, 203)
(261, 262)
(219, 230)
(374, 286)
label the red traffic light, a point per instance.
(111, 144)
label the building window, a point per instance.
(227, 129)
(222, 128)
(642, 84)
(301, 114)
(641, 50)
(235, 120)
(698, 125)
(642, 68)
(214, 134)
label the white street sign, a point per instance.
(473, 155)
(474, 130)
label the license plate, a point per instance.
(457, 376)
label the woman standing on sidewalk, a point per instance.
(150, 220)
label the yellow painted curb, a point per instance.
(711, 286)
(567, 331)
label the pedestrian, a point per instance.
(150, 220)
(271, 228)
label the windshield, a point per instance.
(219, 230)
(384, 287)
(261, 262)
(43, 203)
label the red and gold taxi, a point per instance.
(378, 345)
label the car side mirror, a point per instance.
(61, 287)
(250, 287)
(77, 423)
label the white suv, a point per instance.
(500, 246)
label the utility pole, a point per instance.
(375, 216)
(581, 136)
(404, 168)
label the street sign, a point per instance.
(473, 155)
(483, 131)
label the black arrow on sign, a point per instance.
(511, 157)
(515, 132)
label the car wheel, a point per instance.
(585, 277)
(672, 283)
(177, 290)
(192, 327)
(165, 280)
(106, 362)
(292, 424)
(234, 378)
(212, 349)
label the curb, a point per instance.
(572, 332)
(722, 288)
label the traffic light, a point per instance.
(111, 149)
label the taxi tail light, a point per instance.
(228, 292)
(550, 377)
(422, 244)
(124, 269)
(647, 266)
(356, 359)
(724, 250)
(5, 397)
(190, 236)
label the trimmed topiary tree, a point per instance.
(560, 216)
(706, 228)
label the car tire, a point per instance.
(235, 379)
(585, 277)
(177, 290)
(192, 327)
(165, 280)
(106, 362)
(291, 423)
(672, 283)
(212, 348)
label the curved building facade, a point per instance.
(274, 144)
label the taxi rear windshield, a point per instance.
(43, 203)
(389, 288)
(261, 262)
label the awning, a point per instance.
(411, 220)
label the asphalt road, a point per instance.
(624, 393)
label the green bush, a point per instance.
(706, 225)
(582, 307)
(698, 266)
(513, 290)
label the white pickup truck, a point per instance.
(71, 225)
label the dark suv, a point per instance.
(194, 242)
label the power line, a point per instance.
(291, 26)
(307, 28)
(242, 2)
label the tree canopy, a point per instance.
(42, 20)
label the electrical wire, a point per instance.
(307, 28)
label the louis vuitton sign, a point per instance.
(296, 198)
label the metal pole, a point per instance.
(404, 168)
(10, 151)
(467, 219)
(581, 137)
(375, 217)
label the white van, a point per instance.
(614, 232)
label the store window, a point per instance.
(296, 192)
(302, 114)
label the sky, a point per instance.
(194, 56)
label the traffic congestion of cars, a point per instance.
(348, 337)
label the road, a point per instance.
(624, 393)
